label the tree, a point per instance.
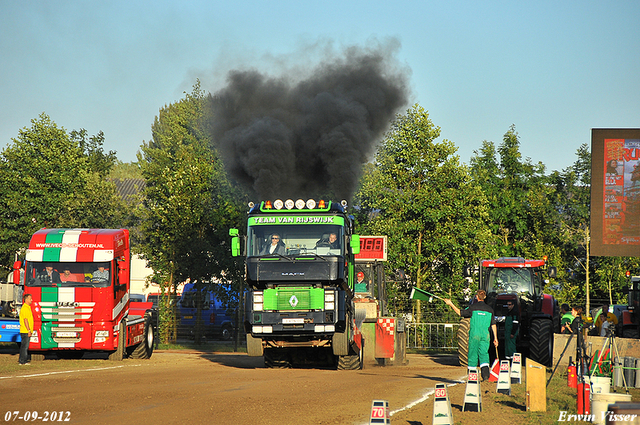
(424, 199)
(517, 193)
(48, 178)
(187, 207)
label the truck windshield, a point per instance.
(68, 274)
(509, 280)
(295, 240)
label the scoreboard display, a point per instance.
(372, 248)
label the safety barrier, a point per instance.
(432, 335)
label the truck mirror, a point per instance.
(355, 244)
(235, 242)
(16, 273)
(553, 272)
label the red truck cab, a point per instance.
(79, 281)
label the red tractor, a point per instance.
(521, 282)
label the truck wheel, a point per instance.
(352, 362)
(463, 341)
(118, 355)
(541, 341)
(226, 333)
(254, 346)
(277, 358)
(145, 348)
(37, 357)
(340, 343)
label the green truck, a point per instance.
(300, 273)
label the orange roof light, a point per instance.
(267, 205)
(321, 204)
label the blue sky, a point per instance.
(555, 69)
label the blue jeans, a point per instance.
(24, 349)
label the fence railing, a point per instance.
(432, 335)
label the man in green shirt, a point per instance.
(482, 319)
(565, 319)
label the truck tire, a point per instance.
(541, 341)
(37, 357)
(118, 355)
(145, 348)
(340, 343)
(277, 358)
(227, 332)
(254, 346)
(352, 361)
(463, 341)
(349, 362)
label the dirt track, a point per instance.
(218, 389)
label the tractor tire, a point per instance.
(463, 342)
(277, 358)
(118, 355)
(254, 346)
(541, 341)
(144, 349)
(630, 333)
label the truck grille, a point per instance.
(53, 311)
(294, 299)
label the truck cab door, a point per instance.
(120, 281)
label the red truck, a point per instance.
(79, 280)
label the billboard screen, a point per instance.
(615, 192)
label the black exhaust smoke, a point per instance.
(294, 137)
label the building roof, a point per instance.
(129, 188)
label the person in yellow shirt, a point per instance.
(26, 329)
(607, 317)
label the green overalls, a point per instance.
(511, 327)
(479, 339)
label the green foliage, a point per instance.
(49, 178)
(419, 195)
(188, 205)
(125, 170)
(516, 191)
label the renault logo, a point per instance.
(293, 301)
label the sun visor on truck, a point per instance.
(66, 252)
